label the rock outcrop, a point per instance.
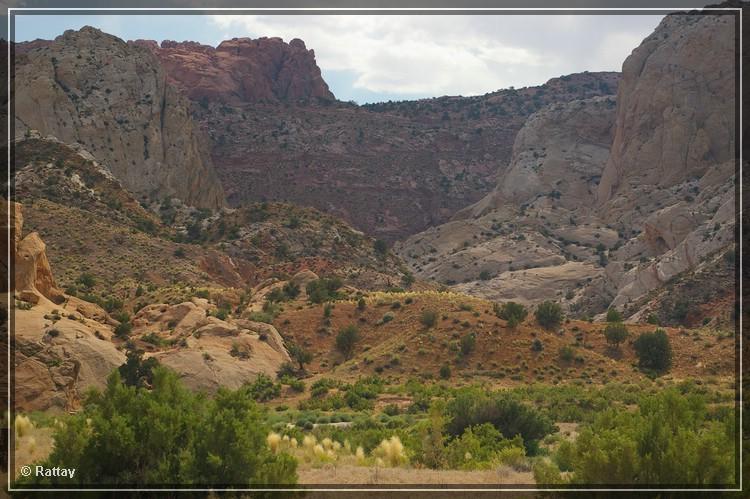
(534, 237)
(32, 278)
(62, 347)
(243, 70)
(559, 152)
(675, 114)
(205, 351)
(91, 88)
(664, 204)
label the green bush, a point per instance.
(654, 351)
(300, 355)
(291, 290)
(549, 315)
(566, 353)
(669, 440)
(346, 339)
(86, 280)
(380, 247)
(429, 318)
(263, 388)
(136, 371)
(468, 343)
(324, 289)
(512, 312)
(123, 329)
(613, 315)
(615, 333)
(128, 436)
(445, 371)
(473, 407)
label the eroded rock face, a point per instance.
(531, 239)
(675, 116)
(32, 280)
(92, 88)
(665, 201)
(208, 352)
(559, 152)
(243, 70)
(62, 346)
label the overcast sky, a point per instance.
(370, 58)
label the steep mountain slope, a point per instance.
(92, 88)
(665, 201)
(93, 225)
(535, 236)
(389, 169)
(242, 70)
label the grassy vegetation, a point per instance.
(622, 433)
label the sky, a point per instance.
(373, 58)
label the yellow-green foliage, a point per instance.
(515, 457)
(23, 425)
(391, 452)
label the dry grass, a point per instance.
(361, 475)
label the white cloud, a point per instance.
(449, 54)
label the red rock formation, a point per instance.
(32, 280)
(242, 70)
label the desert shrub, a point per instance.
(669, 439)
(654, 351)
(285, 370)
(346, 339)
(616, 333)
(679, 311)
(566, 353)
(445, 371)
(479, 447)
(321, 387)
(301, 355)
(546, 473)
(86, 280)
(276, 295)
(387, 317)
(408, 279)
(391, 410)
(549, 315)
(291, 290)
(361, 304)
(536, 345)
(258, 316)
(613, 315)
(295, 384)
(564, 456)
(429, 318)
(391, 451)
(137, 437)
(512, 312)
(468, 343)
(652, 319)
(263, 388)
(136, 371)
(473, 407)
(380, 247)
(123, 329)
(22, 425)
(324, 289)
